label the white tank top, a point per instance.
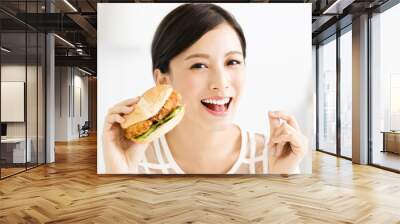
(159, 160)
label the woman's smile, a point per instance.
(217, 106)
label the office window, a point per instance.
(395, 101)
(346, 93)
(327, 96)
(385, 88)
(22, 92)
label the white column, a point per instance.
(360, 90)
(50, 99)
(50, 92)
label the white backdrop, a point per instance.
(279, 72)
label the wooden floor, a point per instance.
(388, 159)
(70, 191)
(5, 172)
(10, 171)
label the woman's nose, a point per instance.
(219, 80)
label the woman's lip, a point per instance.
(219, 113)
(218, 98)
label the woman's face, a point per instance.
(210, 76)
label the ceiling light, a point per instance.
(64, 40)
(84, 71)
(70, 5)
(5, 50)
(337, 7)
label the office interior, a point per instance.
(46, 83)
(49, 72)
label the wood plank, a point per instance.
(70, 191)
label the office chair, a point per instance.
(84, 130)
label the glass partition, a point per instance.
(327, 96)
(346, 93)
(13, 94)
(41, 91)
(22, 63)
(31, 100)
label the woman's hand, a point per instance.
(120, 154)
(287, 144)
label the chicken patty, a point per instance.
(171, 103)
(138, 129)
(143, 126)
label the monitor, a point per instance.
(3, 129)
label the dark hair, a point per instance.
(183, 26)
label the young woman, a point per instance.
(200, 50)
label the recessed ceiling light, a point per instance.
(338, 6)
(70, 5)
(5, 50)
(84, 71)
(64, 40)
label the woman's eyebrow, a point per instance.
(233, 52)
(201, 55)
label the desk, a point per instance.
(16, 147)
(391, 141)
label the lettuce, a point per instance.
(156, 125)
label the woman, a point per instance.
(200, 50)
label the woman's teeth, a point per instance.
(218, 102)
(218, 106)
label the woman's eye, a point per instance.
(234, 62)
(198, 66)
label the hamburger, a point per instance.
(157, 112)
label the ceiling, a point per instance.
(76, 22)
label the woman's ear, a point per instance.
(161, 78)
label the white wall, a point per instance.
(68, 81)
(13, 101)
(61, 103)
(80, 83)
(279, 68)
(12, 73)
